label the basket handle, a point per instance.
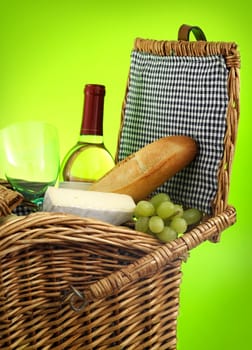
(153, 262)
(185, 30)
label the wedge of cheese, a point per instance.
(113, 208)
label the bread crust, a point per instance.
(143, 171)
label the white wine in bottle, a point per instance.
(89, 159)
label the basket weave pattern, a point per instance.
(43, 255)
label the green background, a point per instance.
(50, 49)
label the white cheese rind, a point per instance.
(109, 207)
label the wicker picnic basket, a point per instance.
(69, 282)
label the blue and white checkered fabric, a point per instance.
(179, 95)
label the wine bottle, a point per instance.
(89, 159)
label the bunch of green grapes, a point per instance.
(164, 219)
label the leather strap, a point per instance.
(185, 30)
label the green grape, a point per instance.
(178, 211)
(192, 216)
(165, 210)
(142, 224)
(159, 198)
(162, 218)
(167, 235)
(156, 224)
(144, 208)
(179, 225)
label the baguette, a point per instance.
(143, 171)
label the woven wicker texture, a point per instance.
(74, 283)
(43, 255)
(129, 282)
(8, 200)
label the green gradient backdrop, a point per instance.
(50, 49)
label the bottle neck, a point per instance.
(91, 139)
(92, 117)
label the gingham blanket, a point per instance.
(174, 95)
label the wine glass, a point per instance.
(31, 158)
